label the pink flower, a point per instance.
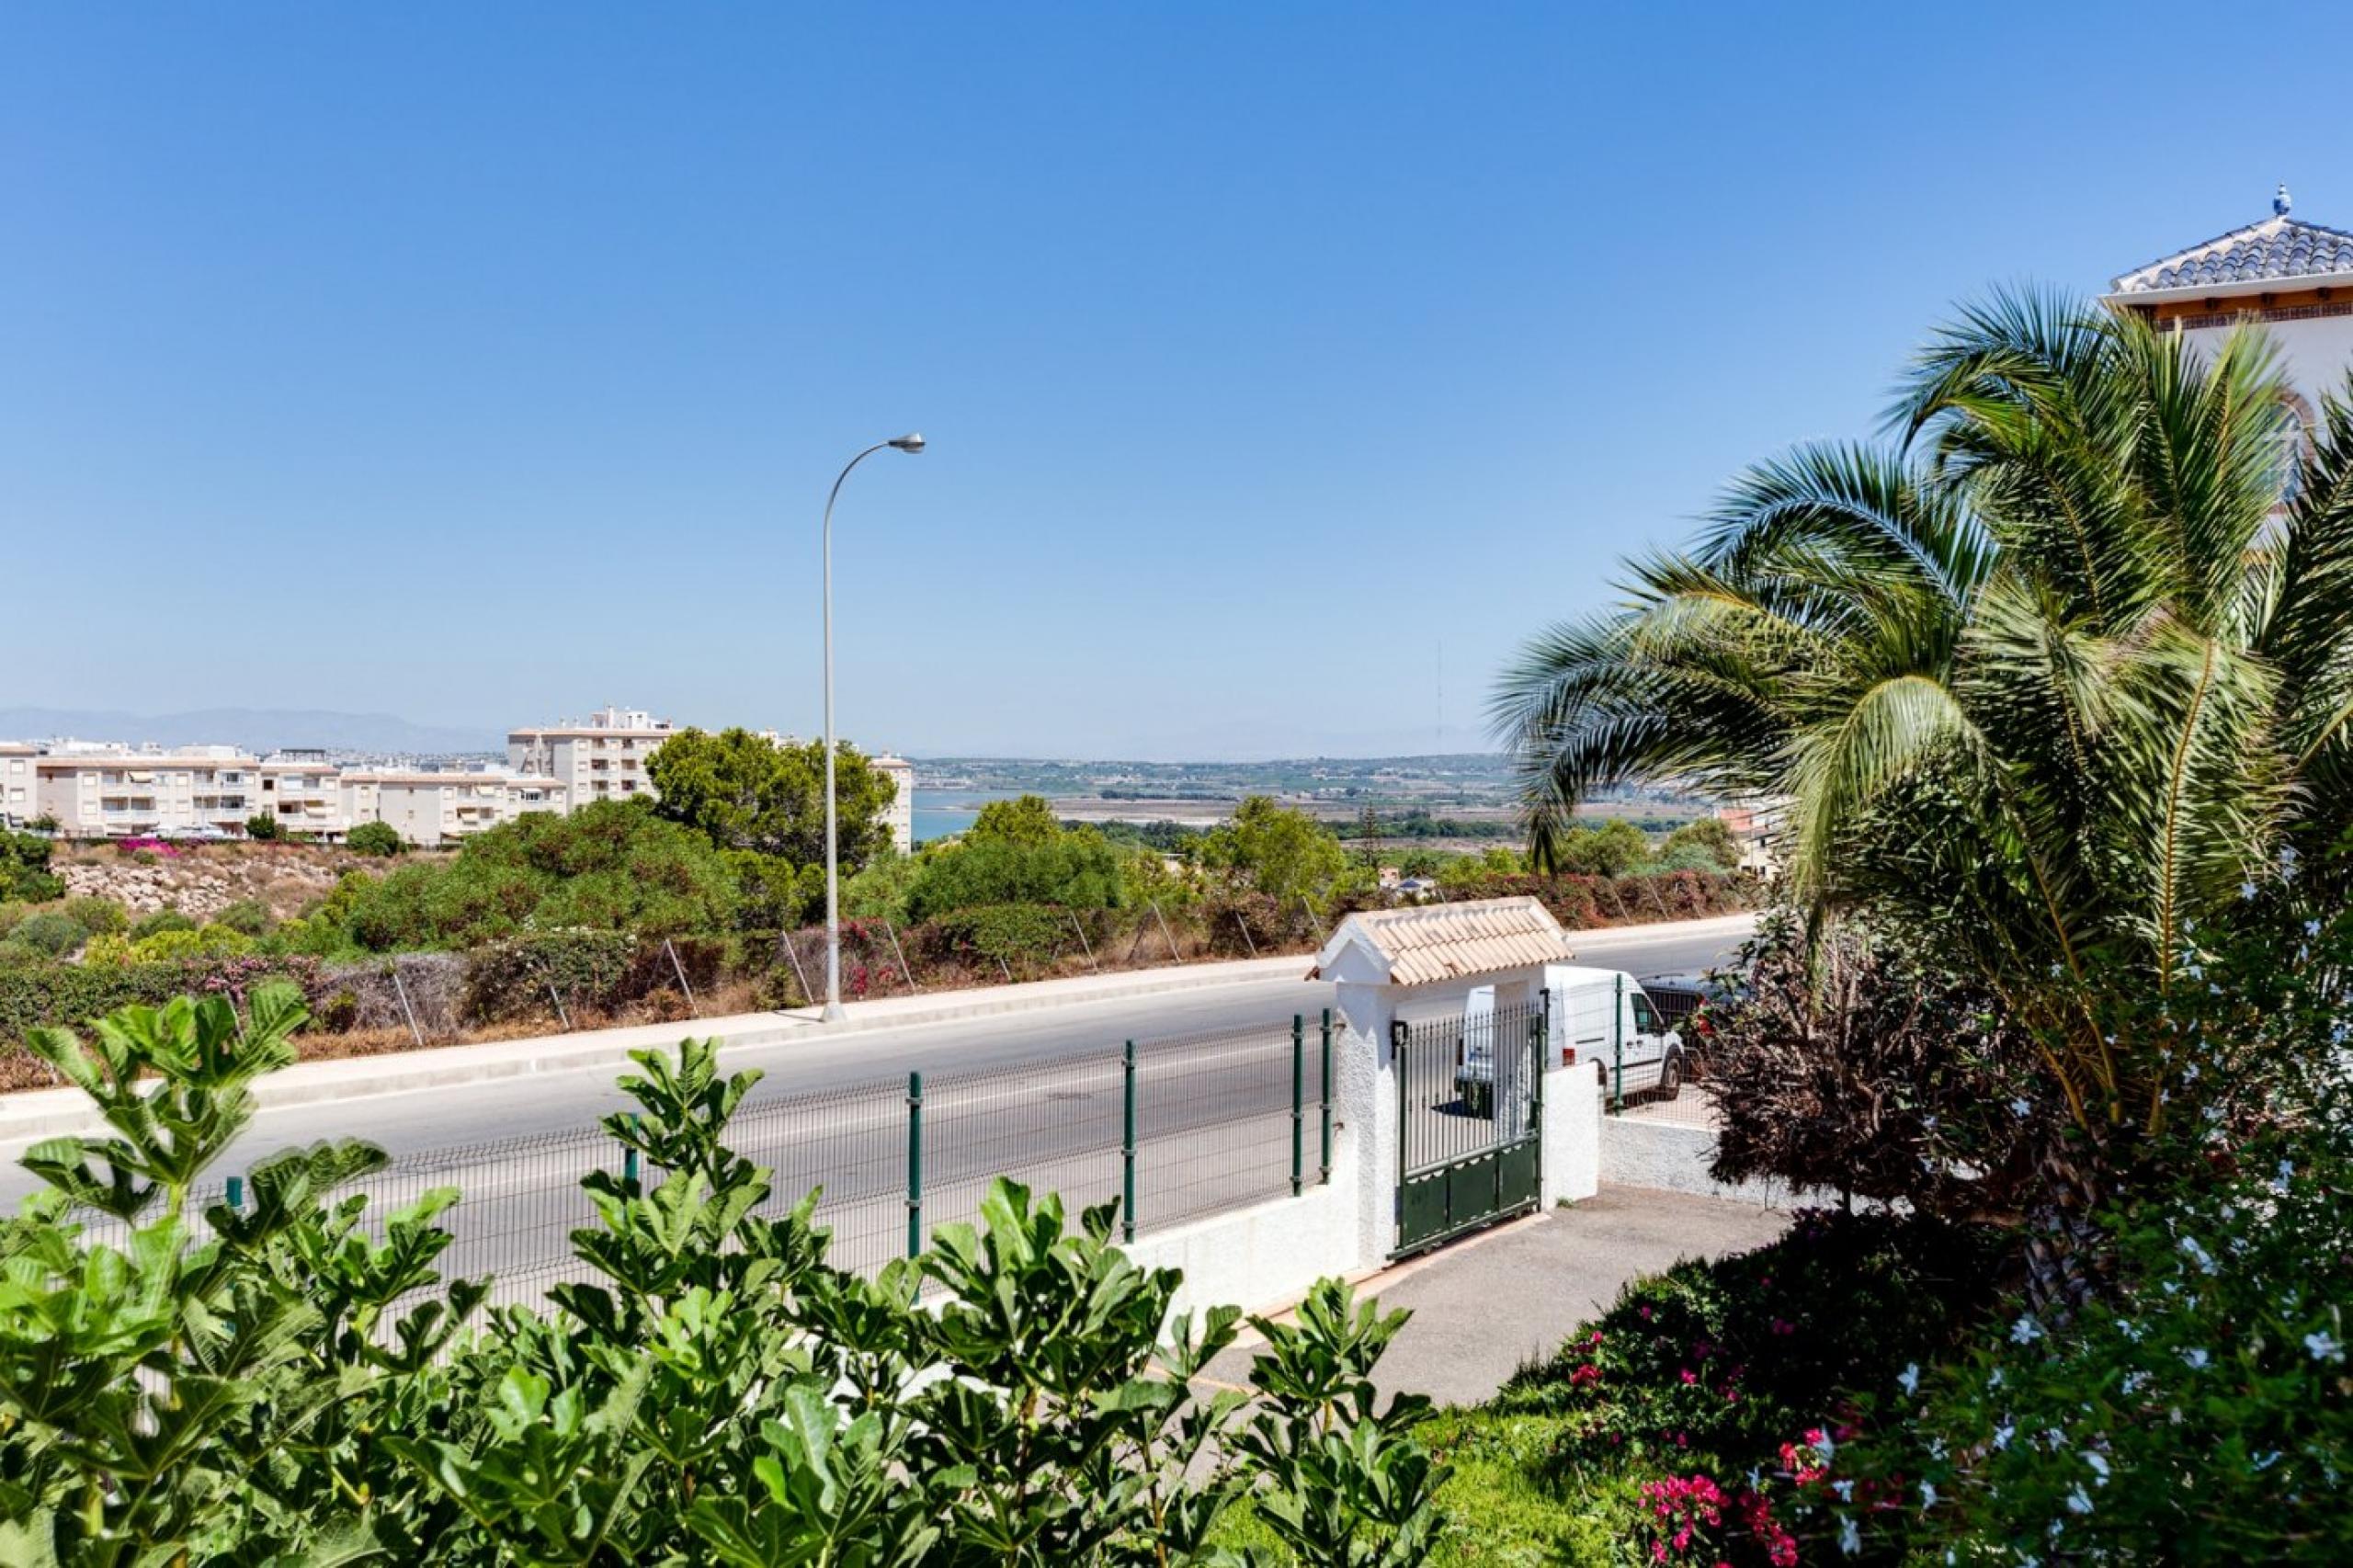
(1689, 1376)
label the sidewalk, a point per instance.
(1485, 1306)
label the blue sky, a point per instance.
(484, 363)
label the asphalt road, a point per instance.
(1037, 1095)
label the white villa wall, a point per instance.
(1264, 1258)
(1636, 1152)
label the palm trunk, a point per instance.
(2067, 1260)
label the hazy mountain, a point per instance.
(256, 728)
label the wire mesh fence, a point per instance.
(1173, 1129)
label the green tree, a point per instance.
(380, 838)
(1613, 849)
(263, 827)
(1029, 821)
(1078, 868)
(2053, 682)
(1279, 851)
(1704, 845)
(744, 793)
(611, 866)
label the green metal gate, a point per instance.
(1470, 1104)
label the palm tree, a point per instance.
(2051, 674)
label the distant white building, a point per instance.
(19, 804)
(428, 807)
(901, 773)
(303, 791)
(601, 757)
(101, 790)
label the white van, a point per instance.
(1638, 1054)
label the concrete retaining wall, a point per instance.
(1262, 1258)
(1662, 1154)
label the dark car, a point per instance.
(1683, 1001)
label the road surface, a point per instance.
(1036, 1093)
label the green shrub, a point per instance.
(250, 915)
(99, 916)
(51, 934)
(24, 869)
(205, 942)
(1012, 934)
(161, 921)
(375, 838)
(263, 827)
(13, 915)
(706, 1388)
(1077, 869)
(513, 979)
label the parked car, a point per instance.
(191, 833)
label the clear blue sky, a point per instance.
(483, 363)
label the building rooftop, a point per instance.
(1450, 941)
(2277, 248)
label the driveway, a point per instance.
(1485, 1306)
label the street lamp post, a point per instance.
(908, 443)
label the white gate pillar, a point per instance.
(1368, 1108)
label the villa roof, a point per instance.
(1449, 941)
(2278, 247)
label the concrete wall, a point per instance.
(1264, 1258)
(1635, 1153)
(1571, 1133)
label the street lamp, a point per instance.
(833, 1015)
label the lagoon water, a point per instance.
(939, 812)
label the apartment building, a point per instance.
(304, 791)
(17, 790)
(901, 772)
(111, 789)
(428, 808)
(601, 757)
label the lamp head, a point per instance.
(911, 442)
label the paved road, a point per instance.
(1037, 1095)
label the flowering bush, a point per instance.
(1722, 1360)
(135, 847)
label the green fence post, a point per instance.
(1128, 1143)
(628, 1157)
(914, 1164)
(1297, 1100)
(1618, 1042)
(1323, 1171)
(233, 1192)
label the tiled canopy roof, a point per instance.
(2278, 247)
(1450, 941)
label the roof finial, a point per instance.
(2280, 203)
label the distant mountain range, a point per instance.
(256, 728)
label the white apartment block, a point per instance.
(304, 791)
(97, 790)
(19, 804)
(901, 772)
(428, 808)
(601, 757)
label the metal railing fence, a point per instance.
(1173, 1129)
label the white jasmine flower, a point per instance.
(1851, 1540)
(2079, 1501)
(2324, 1345)
(1846, 1490)
(1909, 1378)
(1927, 1494)
(2198, 1254)
(2026, 1331)
(2197, 1359)
(2099, 1465)
(2002, 1435)
(2246, 890)
(2019, 1108)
